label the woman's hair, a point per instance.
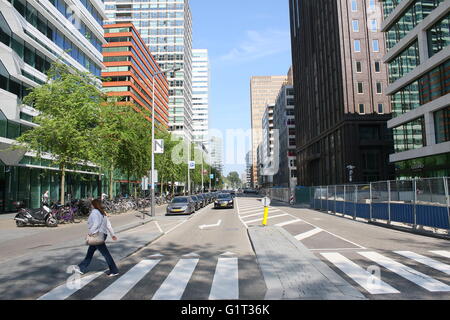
(97, 204)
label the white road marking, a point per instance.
(210, 225)
(118, 289)
(412, 275)
(364, 278)
(270, 217)
(175, 284)
(282, 224)
(63, 291)
(159, 227)
(445, 254)
(308, 234)
(225, 284)
(426, 261)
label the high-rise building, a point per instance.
(284, 122)
(340, 92)
(33, 34)
(267, 153)
(418, 58)
(216, 153)
(263, 91)
(166, 27)
(129, 71)
(200, 95)
(248, 169)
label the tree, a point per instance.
(233, 179)
(69, 105)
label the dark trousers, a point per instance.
(105, 252)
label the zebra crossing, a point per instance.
(224, 284)
(377, 284)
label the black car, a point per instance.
(203, 200)
(181, 205)
(198, 202)
(224, 200)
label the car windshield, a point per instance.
(180, 200)
(224, 196)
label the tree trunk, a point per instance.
(63, 183)
(111, 182)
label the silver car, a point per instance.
(181, 205)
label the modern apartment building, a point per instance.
(340, 91)
(216, 152)
(263, 91)
(166, 28)
(33, 34)
(268, 156)
(284, 122)
(129, 71)
(200, 95)
(418, 58)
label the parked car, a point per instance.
(198, 204)
(203, 200)
(181, 205)
(224, 200)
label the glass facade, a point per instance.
(404, 63)
(410, 135)
(439, 36)
(406, 99)
(412, 16)
(442, 125)
(432, 166)
(389, 6)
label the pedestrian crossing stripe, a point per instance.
(426, 261)
(225, 284)
(408, 273)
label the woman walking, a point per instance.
(99, 222)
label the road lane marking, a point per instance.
(259, 213)
(159, 227)
(225, 284)
(426, 261)
(175, 284)
(308, 234)
(282, 224)
(118, 289)
(63, 291)
(270, 217)
(445, 254)
(364, 278)
(203, 226)
(412, 275)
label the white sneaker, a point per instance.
(113, 274)
(77, 270)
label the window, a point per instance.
(442, 125)
(377, 66)
(360, 86)
(409, 136)
(355, 24)
(439, 35)
(358, 66)
(357, 45)
(375, 46)
(361, 108)
(372, 5)
(354, 6)
(373, 25)
(380, 108)
(379, 88)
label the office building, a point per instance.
(216, 153)
(33, 34)
(418, 58)
(166, 28)
(263, 92)
(284, 122)
(200, 95)
(129, 71)
(341, 106)
(267, 153)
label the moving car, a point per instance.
(181, 205)
(224, 200)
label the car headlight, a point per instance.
(231, 201)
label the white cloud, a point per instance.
(259, 44)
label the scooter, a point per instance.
(30, 217)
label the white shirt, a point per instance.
(99, 223)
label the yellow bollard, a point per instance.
(266, 215)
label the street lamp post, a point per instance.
(152, 178)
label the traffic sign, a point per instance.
(266, 201)
(211, 176)
(159, 146)
(191, 165)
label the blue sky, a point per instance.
(245, 38)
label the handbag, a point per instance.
(95, 240)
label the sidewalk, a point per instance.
(291, 271)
